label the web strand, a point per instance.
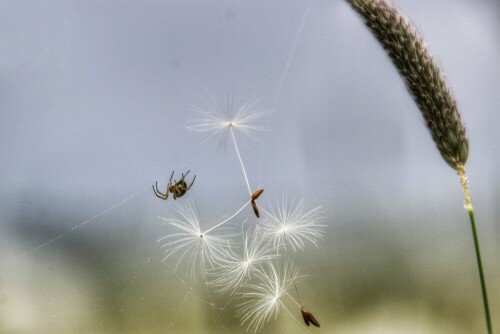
(76, 227)
(125, 200)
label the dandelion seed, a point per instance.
(254, 196)
(196, 248)
(235, 269)
(293, 224)
(309, 318)
(219, 119)
(263, 299)
(255, 209)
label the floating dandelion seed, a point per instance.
(254, 197)
(219, 119)
(309, 318)
(293, 223)
(197, 249)
(235, 269)
(263, 299)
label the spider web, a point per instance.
(121, 288)
(95, 98)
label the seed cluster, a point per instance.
(422, 76)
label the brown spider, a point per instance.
(178, 189)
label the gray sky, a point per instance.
(95, 96)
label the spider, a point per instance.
(178, 189)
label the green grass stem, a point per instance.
(470, 209)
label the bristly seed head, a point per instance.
(422, 76)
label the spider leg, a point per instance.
(171, 176)
(158, 193)
(183, 176)
(194, 178)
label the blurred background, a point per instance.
(94, 99)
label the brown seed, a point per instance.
(257, 193)
(254, 196)
(309, 318)
(255, 209)
(305, 317)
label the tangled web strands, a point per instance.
(422, 76)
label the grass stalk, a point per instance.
(470, 209)
(426, 83)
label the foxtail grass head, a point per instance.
(422, 76)
(427, 86)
